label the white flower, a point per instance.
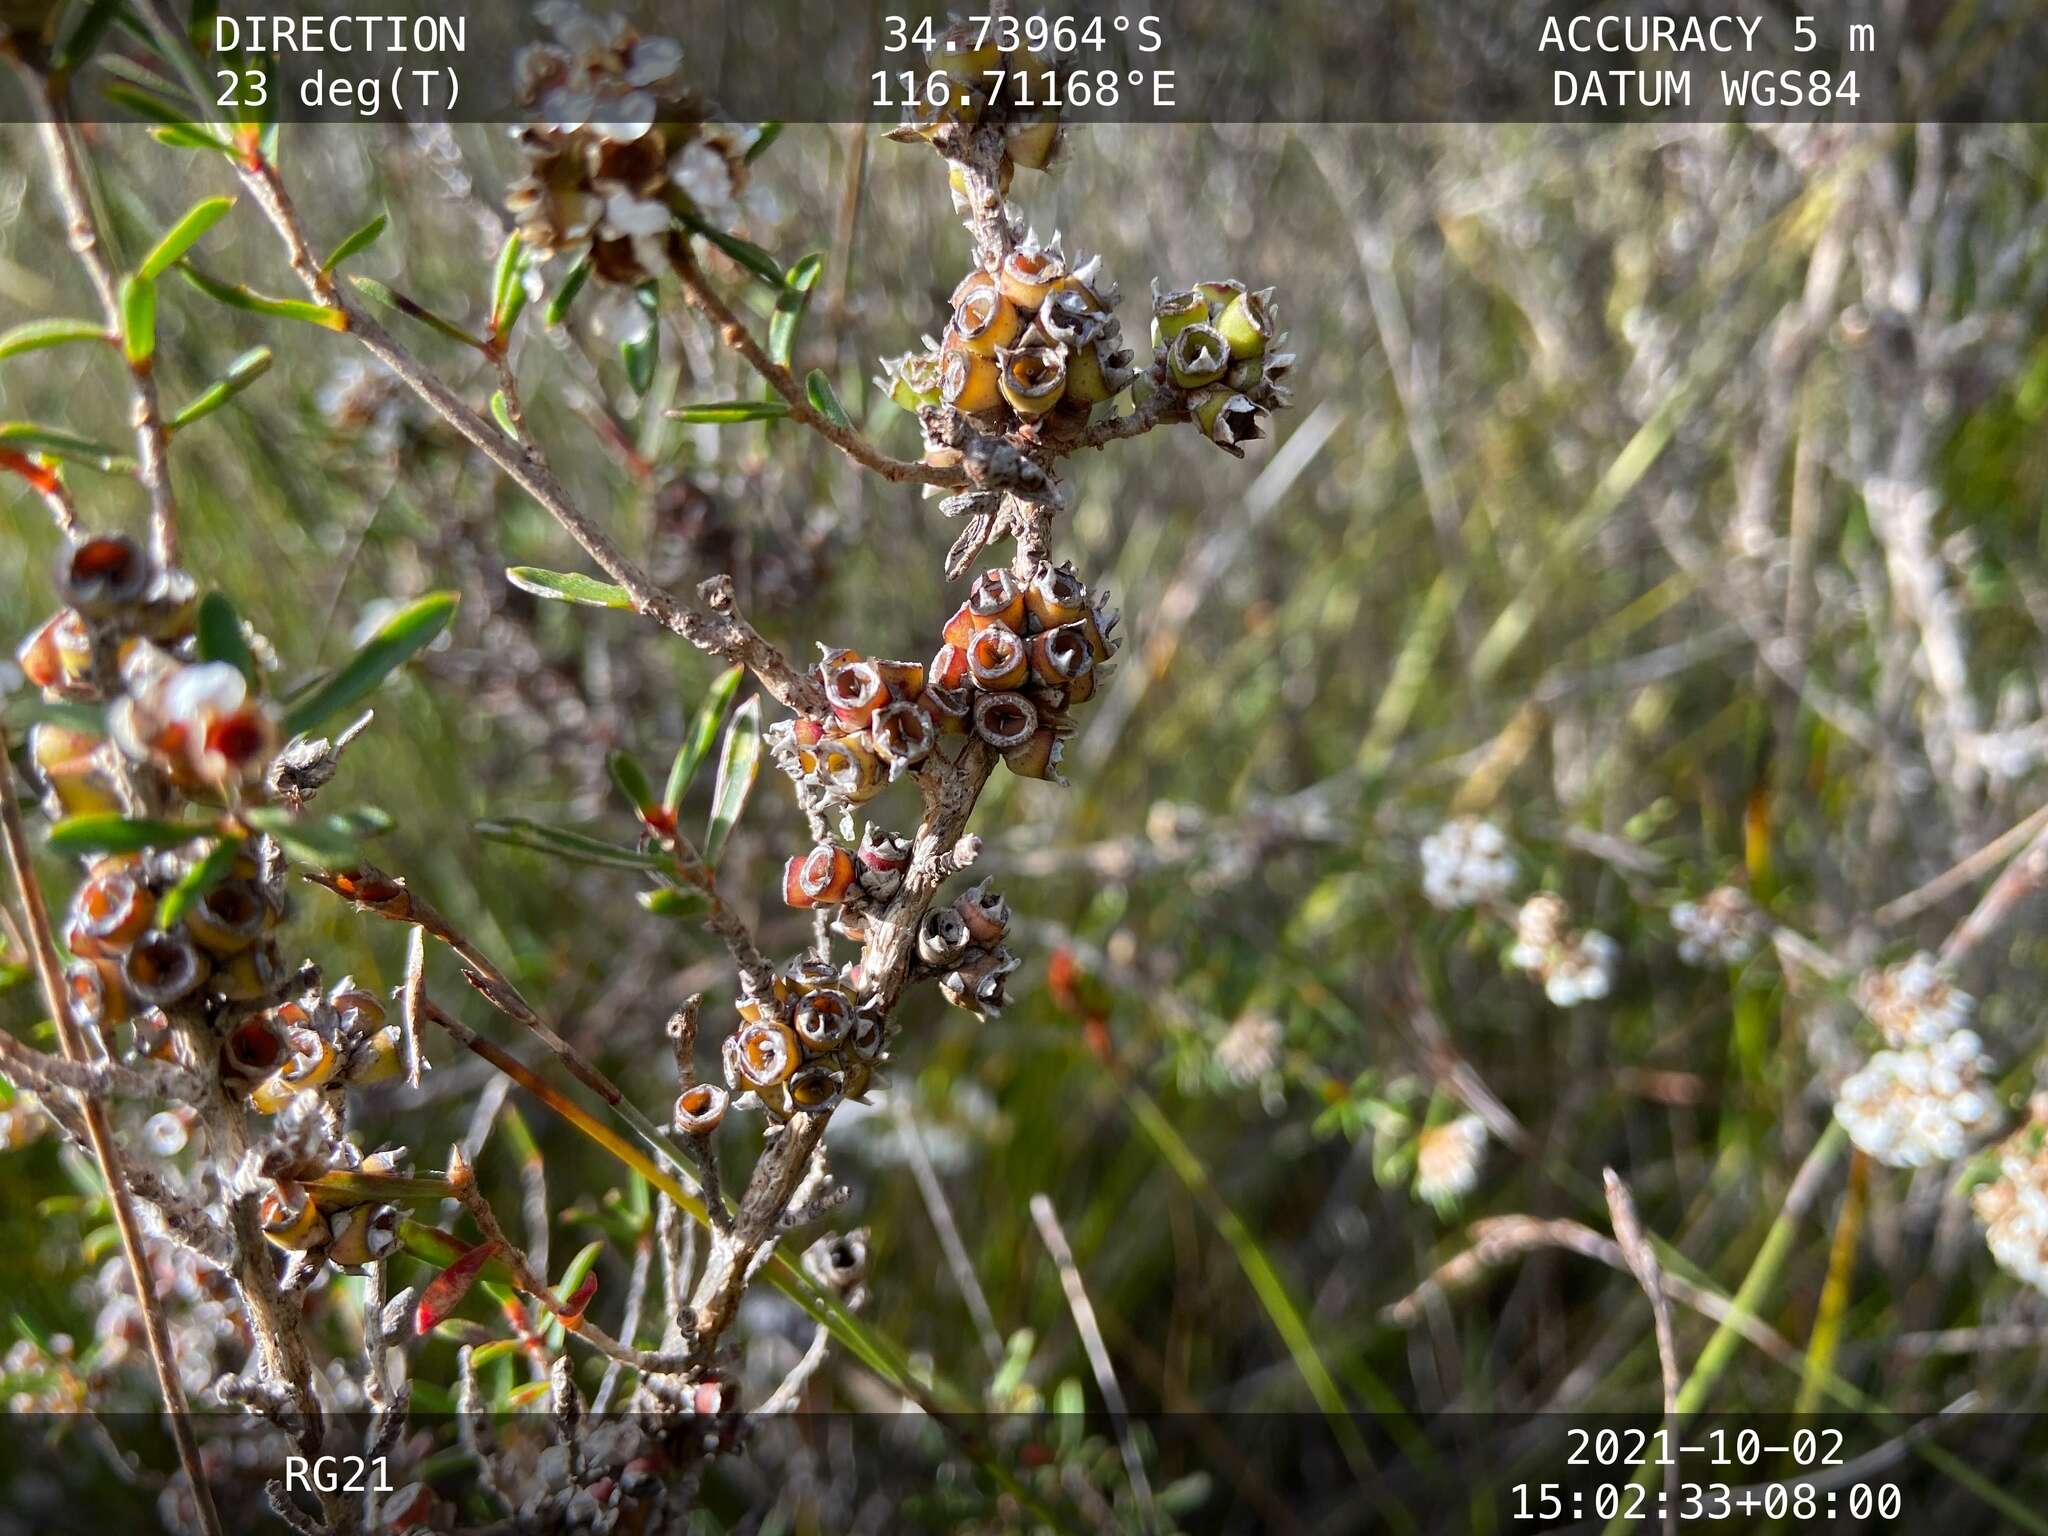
(2014, 1208)
(1573, 967)
(1913, 1003)
(1466, 862)
(1448, 1160)
(1249, 1049)
(704, 176)
(1914, 1107)
(1721, 928)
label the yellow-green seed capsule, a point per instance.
(1247, 323)
(1087, 381)
(1032, 379)
(1197, 356)
(969, 382)
(984, 320)
(1174, 312)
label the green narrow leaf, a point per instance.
(501, 413)
(48, 333)
(138, 318)
(631, 778)
(789, 307)
(768, 134)
(85, 37)
(575, 1275)
(561, 843)
(69, 446)
(391, 298)
(726, 413)
(397, 639)
(747, 254)
(236, 296)
(564, 296)
(568, 587)
(508, 292)
(185, 136)
(147, 103)
(326, 842)
(640, 353)
(668, 901)
(109, 832)
(220, 635)
(360, 240)
(738, 764)
(704, 728)
(242, 372)
(202, 877)
(824, 399)
(183, 235)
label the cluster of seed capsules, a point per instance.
(179, 727)
(1032, 343)
(974, 64)
(1014, 658)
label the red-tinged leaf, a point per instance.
(444, 1293)
(528, 1395)
(574, 1306)
(21, 464)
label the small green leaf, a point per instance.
(202, 877)
(704, 730)
(501, 413)
(726, 413)
(640, 353)
(768, 134)
(568, 587)
(789, 307)
(361, 240)
(109, 832)
(85, 37)
(147, 103)
(747, 254)
(138, 318)
(738, 764)
(824, 399)
(59, 444)
(236, 296)
(390, 297)
(48, 333)
(183, 235)
(564, 296)
(326, 842)
(561, 843)
(631, 778)
(220, 635)
(185, 136)
(397, 639)
(242, 372)
(669, 901)
(508, 291)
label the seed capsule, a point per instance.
(1247, 323)
(250, 975)
(163, 967)
(314, 1062)
(1034, 143)
(884, 860)
(984, 912)
(815, 1090)
(1055, 595)
(379, 1058)
(823, 1019)
(995, 598)
(1059, 656)
(253, 1049)
(948, 708)
(849, 765)
(1033, 378)
(853, 688)
(1197, 356)
(1029, 272)
(903, 735)
(904, 679)
(1037, 757)
(983, 319)
(941, 937)
(98, 999)
(912, 380)
(356, 1012)
(1004, 720)
(810, 974)
(949, 666)
(104, 575)
(57, 657)
(700, 1109)
(980, 984)
(291, 1219)
(821, 877)
(1174, 312)
(1071, 318)
(110, 912)
(69, 769)
(767, 1053)
(866, 1039)
(362, 1235)
(1229, 420)
(997, 659)
(228, 918)
(753, 1004)
(969, 382)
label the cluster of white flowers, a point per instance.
(1913, 1003)
(1465, 862)
(1573, 966)
(2014, 1207)
(1914, 1107)
(1249, 1049)
(1448, 1159)
(1722, 928)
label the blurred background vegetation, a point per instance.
(1573, 526)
